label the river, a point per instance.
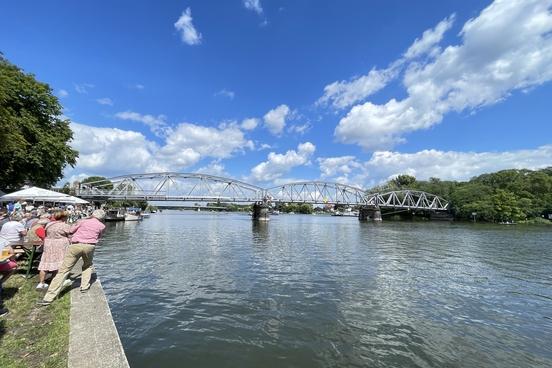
(191, 289)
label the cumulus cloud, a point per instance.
(188, 32)
(105, 101)
(275, 119)
(446, 165)
(506, 48)
(278, 164)
(342, 94)
(342, 165)
(249, 124)
(213, 168)
(430, 39)
(194, 141)
(254, 5)
(112, 151)
(453, 165)
(157, 124)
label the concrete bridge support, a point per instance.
(260, 212)
(367, 213)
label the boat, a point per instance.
(145, 215)
(133, 214)
(115, 214)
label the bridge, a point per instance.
(210, 188)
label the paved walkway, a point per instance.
(93, 338)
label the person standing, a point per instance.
(55, 246)
(86, 234)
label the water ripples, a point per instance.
(215, 290)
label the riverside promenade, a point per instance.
(93, 338)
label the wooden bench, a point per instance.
(30, 250)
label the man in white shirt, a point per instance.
(12, 231)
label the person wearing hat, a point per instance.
(86, 234)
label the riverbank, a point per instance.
(31, 336)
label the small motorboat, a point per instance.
(115, 214)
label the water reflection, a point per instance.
(216, 290)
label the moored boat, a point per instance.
(115, 214)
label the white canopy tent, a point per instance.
(69, 199)
(41, 195)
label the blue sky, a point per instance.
(272, 91)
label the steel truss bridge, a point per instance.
(196, 187)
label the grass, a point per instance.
(32, 336)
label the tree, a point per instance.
(100, 182)
(404, 181)
(34, 138)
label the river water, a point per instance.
(202, 289)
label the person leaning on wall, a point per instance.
(86, 234)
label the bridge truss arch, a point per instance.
(170, 186)
(407, 199)
(317, 192)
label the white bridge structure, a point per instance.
(209, 188)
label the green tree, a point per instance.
(506, 206)
(404, 181)
(100, 182)
(34, 138)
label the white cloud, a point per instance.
(342, 94)
(138, 86)
(278, 164)
(226, 93)
(112, 151)
(299, 129)
(430, 38)
(254, 5)
(214, 168)
(506, 48)
(105, 101)
(157, 124)
(446, 165)
(332, 166)
(249, 124)
(275, 119)
(197, 141)
(83, 88)
(62, 93)
(188, 33)
(453, 165)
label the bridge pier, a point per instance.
(260, 212)
(367, 213)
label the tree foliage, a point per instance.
(98, 182)
(34, 138)
(507, 195)
(304, 208)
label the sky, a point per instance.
(277, 91)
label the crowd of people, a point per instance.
(63, 234)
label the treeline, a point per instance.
(508, 195)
